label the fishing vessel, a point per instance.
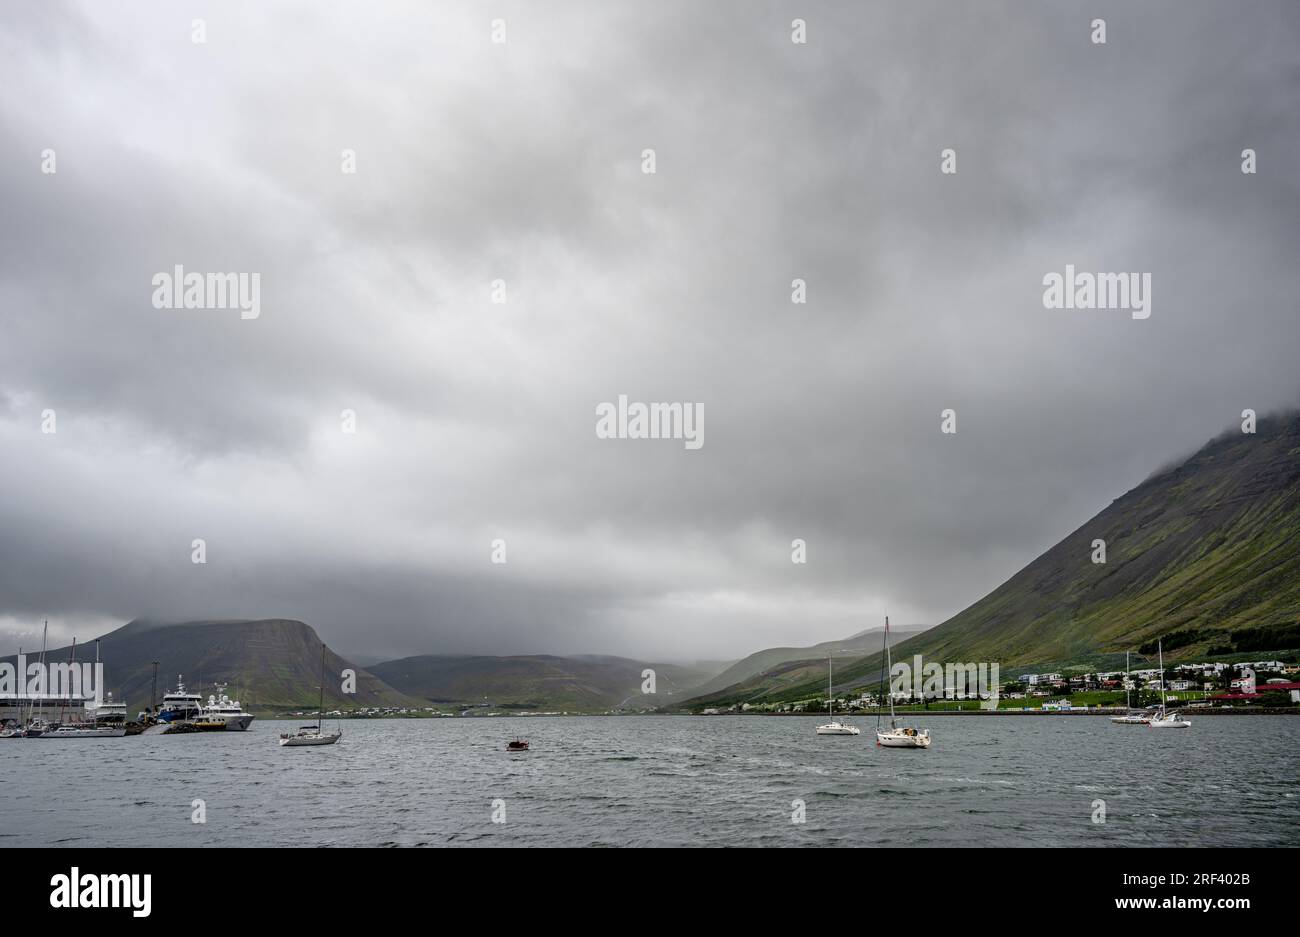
(1130, 718)
(313, 735)
(180, 705)
(835, 726)
(1164, 719)
(221, 708)
(896, 736)
(110, 713)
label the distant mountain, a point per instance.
(774, 663)
(540, 682)
(1205, 555)
(273, 664)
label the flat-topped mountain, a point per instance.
(269, 664)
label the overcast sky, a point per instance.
(523, 161)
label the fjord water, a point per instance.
(672, 780)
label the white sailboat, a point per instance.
(83, 729)
(1163, 719)
(835, 726)
(894, 736)
(313, 735)
(1130, 718)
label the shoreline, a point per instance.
(1190, 711)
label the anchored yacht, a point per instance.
(835, 726)
(221, 708)
(1163, 719)
(895, 737)
(1130, 718)
(84, 730)
(314, 735)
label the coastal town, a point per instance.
(1257, 684)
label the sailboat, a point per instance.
(894, 737)
(314, 735)
(1163, 719)
(835, 726)
(92, 729)
(1130, 718)
(34, 728)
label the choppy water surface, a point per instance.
(621, 781)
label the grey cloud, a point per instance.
(521, 161)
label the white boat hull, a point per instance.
(903, 740)
(838, 728)
(234, 723)
(1171, 722)
(293, 741)
(99, 732)
(1130, 720)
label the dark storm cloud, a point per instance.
(522, 162)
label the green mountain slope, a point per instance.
(1206, 554)
(774, 666)
(273, 664)
(539, 682)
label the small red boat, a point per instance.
(518, 745)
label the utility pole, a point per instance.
(153, 694)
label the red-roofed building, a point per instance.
(1292, 688)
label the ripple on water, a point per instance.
(661, 781)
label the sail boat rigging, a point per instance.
(1130, 718)
(314, 735)
(895, 737)
(835, 726)
(1163, 719)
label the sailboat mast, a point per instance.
(1128, 684)
(889, 657)
(830, 694)
(320, 710)
(31, 708)
(72, 656)
(1160, 649)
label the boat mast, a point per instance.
(320, 710)
(830, 694)
(1128, 685)
(72, 656)
(1160, 649)
(889, 657)
(31, 707)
